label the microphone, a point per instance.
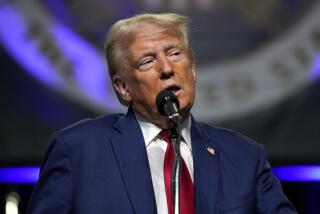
(168, 105)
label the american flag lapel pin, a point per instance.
(211, 150)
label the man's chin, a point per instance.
(185, 110)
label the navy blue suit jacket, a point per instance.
(101, 166)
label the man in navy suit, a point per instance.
(115, 163)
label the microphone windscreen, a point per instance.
(164, 98)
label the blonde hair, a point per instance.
(122, 30)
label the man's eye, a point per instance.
(146, 61)
(175, 55)
(145, 64)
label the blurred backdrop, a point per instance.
(258, 65)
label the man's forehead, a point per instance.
(146, 45)
(146, 29)
(149, 36)
(152, 26)
(154, 36)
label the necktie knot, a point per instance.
(165, 135)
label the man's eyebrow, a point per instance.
(172, 46)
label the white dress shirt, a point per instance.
(156, 149)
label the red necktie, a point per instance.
(186, 185)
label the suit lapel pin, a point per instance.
(211, 150)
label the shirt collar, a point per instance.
(151, 131)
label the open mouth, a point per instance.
(174, 89)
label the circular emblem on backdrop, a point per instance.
(250, 54)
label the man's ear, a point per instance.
(121, 87)
(194, 73)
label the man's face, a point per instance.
(157, 60)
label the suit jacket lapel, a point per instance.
(205, 169)
(131, 155)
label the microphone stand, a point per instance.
(175, 137)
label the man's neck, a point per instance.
(162, 122)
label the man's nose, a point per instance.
(165, 68)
